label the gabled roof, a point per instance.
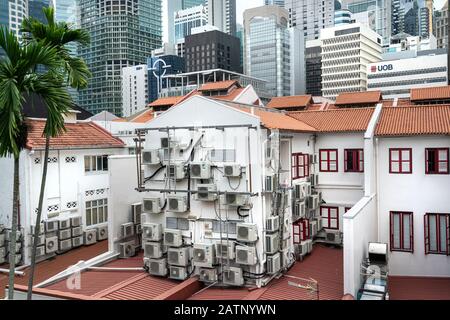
(166, 101)
(142, 116)
(414, 120)
(104, 116)
(336, 120)
(355, 98)
(80, 135)
(220, 85)
(290, 102)
(434, 93)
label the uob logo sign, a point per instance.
(381, 68)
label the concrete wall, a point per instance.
(6, 189)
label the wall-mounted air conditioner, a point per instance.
(314, 180)
(200, 170)
(152, 231)
(41, 240)
(127, 249)
(90, 236)
(76, 221)
(150, 157)
(272, 243)
(246, 255)
(225, 249)
(176, 171)
(176, 203)
(41, 229)
(51, 226)
(64, 224)
(127, 229)
(138, 229)
(65, 245)
(272, 224)
(2, 252)
(312, 202)
(102, 233)
(247, 232)
(153, 250)
(270, 184)
(236, 200)
(173, 238)
(152, 205)
(77, 241)
(156, 267)
(18, 246)
(232, 170)
(51, 245)
(178, 273)
(204, 255)
(206, 192)
(178, 256)
(273, 263)
(2, 239)
(319, 224)
(136, 211)
(333, 236)
(18, 258)
(40, 251)
(64, 234)
(169, 142)
(305, 247)
(299, 210)
(233, 277)
(313, 228)
(207, 275)
(77, 231)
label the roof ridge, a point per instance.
(103, 130)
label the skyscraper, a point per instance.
(12, 13)
(222, 14)
(121, 36)
(176, 5)
(35, 9)
(279, 3)
(412, 17)
(189, 18)
(267, 48)
(310, 16)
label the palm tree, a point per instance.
(76, 73)
(18, 80)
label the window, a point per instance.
(400, 160)
(301, 231)
(328, 160)
(437, 233)
(436, 160)
(96, 212)
(95, 163)
(300, 165)
(401, 231)
(330, 217)
(354, 160)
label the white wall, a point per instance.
(418, 193)
(134, 89)
(6, 189)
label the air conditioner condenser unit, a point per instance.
(40, 251)
(136, 211)
(246, 255)
(151, 205)
(51, 245)
(247, 232)
(127, 249)
(232, 170)
(64, 224)
(208, 275)
(64, 234)
(127, 229)
(236, 200)
(178, 256)
(272, 224)
(90, 236)
(156, 267)
(153, 250)
(51, 226)
(77, 241)
(102, 233)
(65, 245)
(206, 192)
(204, 255)
(200, 170)
(152, 231)
(225, 249)
(273, 263)
(176, 171)
(76, 221)
(151, 157)
(77, 231)
(272, 243)
(233, 277)
(176, 203)
(173, 238)
(178, 273)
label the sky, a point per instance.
(242, 5)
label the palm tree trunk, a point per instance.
(12, 238)
(38, 221)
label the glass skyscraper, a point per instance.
(123, 33)
(12, 13)
(176, 5)
(35, 9)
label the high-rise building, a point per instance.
(176, 5)
(346, 52)
(267, 48)
(189, 18)
(134, 89)
(412, 17)
(35, 9)
(158, 68)
(279, 3)
(375, 13)
(222, 14)
(441, 29)
(313, 60)
(240, 35)
(311, 16)
(342, 16)
(12, 13)
(212, 50)
(121, 36)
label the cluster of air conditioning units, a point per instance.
(272, 244)
(306, 201)
(130, 232)
(5, 236)
(157, 156)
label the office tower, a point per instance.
(374, 13)
(310, 16)
(35, 9)
(187, 19)
(158, 68)
(279, 3)
(176, 5)
(222, 14)
(121, 36)
(12, 13)
(267, 48)
(346, 52)
(240, 35)
(412, 17)
(342, 16)
(212, 50)
(134, 89)
(313, 60)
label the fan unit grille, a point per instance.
(199, 255)
(242, 255)
(102, 232)
(164, 142)
(154, 267)
(243, 232)
(169, 237)
(196, 170)
(173, 257)
(202, 193)
(228, 170)
(222, 250)
(89, 236)
(147, 157)
(50, 245)
(149, 250)
(128, 230)
(148, 205)
(331, 236)
(148, 232)
(204, 275)
(173, 204)
(230, 198)
(175, 272)
(230, 276)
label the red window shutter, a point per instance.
(345, 160)
(391, 230)
(411, 232)
(426, 234)
(448, 234)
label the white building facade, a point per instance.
(134, 89)
(187, 19)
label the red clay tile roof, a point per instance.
(414, 120)
(434, 93)
(143, 117)
(49, 268)
(81, 135)
(354, 98)
(231, 96)
(290, 102)
(167, 101)
(419, 288)
(339, 120)
(220, 85)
